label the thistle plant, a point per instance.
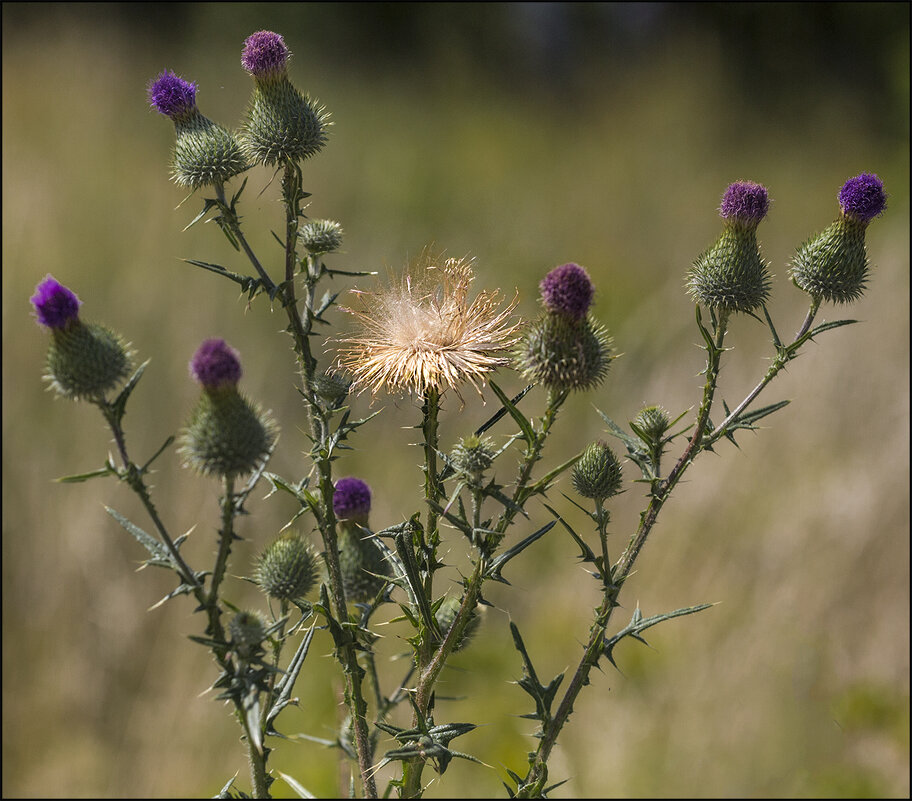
(426, 336)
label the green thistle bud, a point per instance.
(247, 631)
(287, 570)
(731, 275)
(597, 474)
(83, 360)
(282, 125)
(358, 559)
(226, 435)
(204, 152)
(86, 360)
(564, 353)
(321, 236)
(473, 455)
(833, 265)
(446, 616)
(653, 422)
(332, 388)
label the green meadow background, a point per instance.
(526, 136)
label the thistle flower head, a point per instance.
(55, 305)
(246, 631)
(746, 202)
(423, 333)
(352, 499)
(321, 236)
(215, 364)
(265, 53)
(172, 96)
(567, 290)
(863, 197)
(287, 569)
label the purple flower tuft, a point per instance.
(567, 290)
(264, 53)
(54, 304)
(863, 197)
(352, 500)
(215, 364)
(172, 96)
(745, 201)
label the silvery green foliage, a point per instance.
(335, 574)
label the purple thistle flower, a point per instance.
(352, 500)
(172, 96)
(54, 304)
(746, 201)
(863, 197)
(567, 290)
(264, 53)
(215, 364)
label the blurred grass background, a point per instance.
(526, 135)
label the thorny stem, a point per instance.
(226, 535)
(300, 330)
(537, 774)
(229, 215)
(783, 357)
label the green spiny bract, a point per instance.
(331, 388)
(833, 265)
(653, 422)
(86, 360)
(321, 236)
(563, 353)
(597, 473)
(358, 559)
(472, 455)
(282, 125)
(227, 435)
(446, 616)
(731, 275)
(205, 152)
(287, 570)
(247, 631)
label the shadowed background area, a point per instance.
(525, 135)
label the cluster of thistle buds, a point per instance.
(281, 124)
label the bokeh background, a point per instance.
(525, 135)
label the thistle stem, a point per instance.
(235, 226)
(538, 771)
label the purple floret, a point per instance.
(863, 197)
(54, 304)
(215, 364)
(264, 53)
(352, 499)
(567, 290)
(745, 201)
(172, 95)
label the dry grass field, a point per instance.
(795, 684)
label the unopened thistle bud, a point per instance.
(565, 349)
(287, 569)
(282, 125)
(321, 236)
(359, 557)
(731, 275)
(332, 388)
(473, 455)
(226, 435)
(446, 616)
(653, 422)
(833, 265)
(597, 474)
(204, 152)
(247, 631)
(84, 360)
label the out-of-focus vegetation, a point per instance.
(527, 135)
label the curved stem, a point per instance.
(235, 225)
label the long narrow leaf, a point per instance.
(524, 425)
(500, 562)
